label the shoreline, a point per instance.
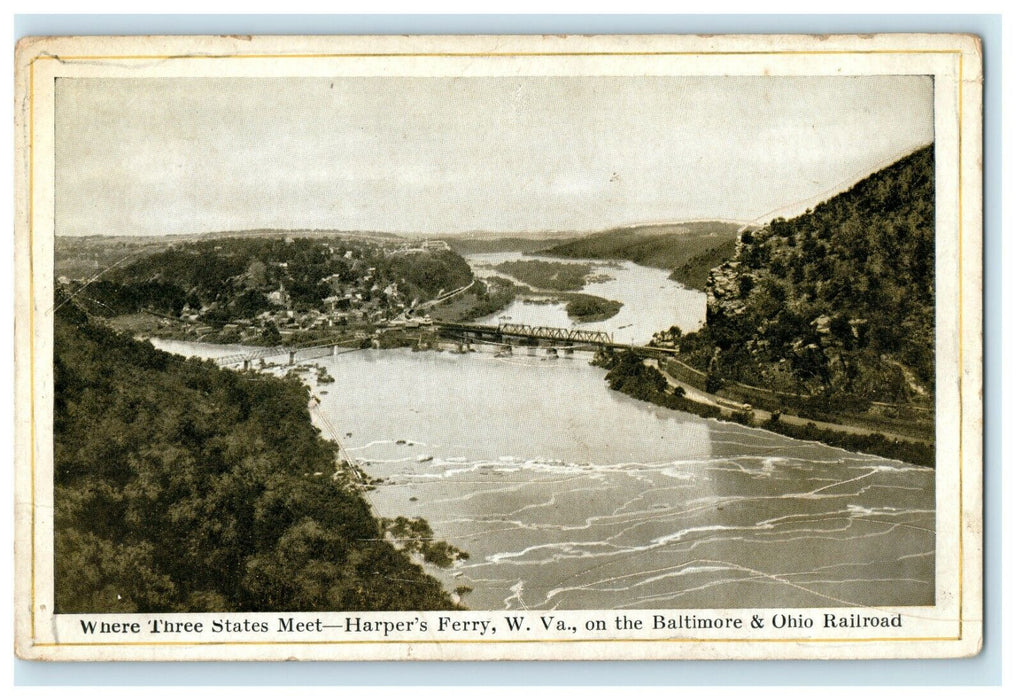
(664, 392)
(654, 385)
(154, 400)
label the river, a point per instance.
(568, 495)
(650, 301)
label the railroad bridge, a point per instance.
(294, 353)
(503, 337)
(551, 337)
(561, 335)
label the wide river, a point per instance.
(568, 495)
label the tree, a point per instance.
(270, 334)
(183, 487)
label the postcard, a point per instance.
(498, 347)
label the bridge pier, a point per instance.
(291, 357)
(569, 352)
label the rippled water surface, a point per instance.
(568, 495)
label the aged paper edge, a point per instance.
(35, 624)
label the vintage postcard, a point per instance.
(621, 347)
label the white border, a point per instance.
(953, 60)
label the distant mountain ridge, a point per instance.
(689, 249)
(298, 233)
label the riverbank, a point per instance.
(144, 326)
(510, 458)
(156, 444)
(493, 294)
(644, 380)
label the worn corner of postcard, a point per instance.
(655, 347)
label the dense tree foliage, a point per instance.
(237, 278)
(470, 245)
(689, 250)
(630, 375)
(693, 272)
(107, 298)
(587, 307)
(183, 487)
(839, 300)
(559, 276)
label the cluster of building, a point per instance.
(366, 300)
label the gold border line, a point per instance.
(31, 232)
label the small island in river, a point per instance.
(588, 307)
(562, 282)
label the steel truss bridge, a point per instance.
(546, 335)
(567, 335)
(567, 338)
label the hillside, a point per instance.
(688, 249)
(259, 289)
(80, 257)
(693, 273)
(242, 272)
(836, 302)
(470, 245)
(182, 487)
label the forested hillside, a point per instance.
(183, 487)
(470, 245)
(231, 278)
(689, 250)
(838, 301)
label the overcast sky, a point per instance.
(439, 155)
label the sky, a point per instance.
(158, 156)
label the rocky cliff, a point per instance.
(839, 300)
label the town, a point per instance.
(271, 291)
